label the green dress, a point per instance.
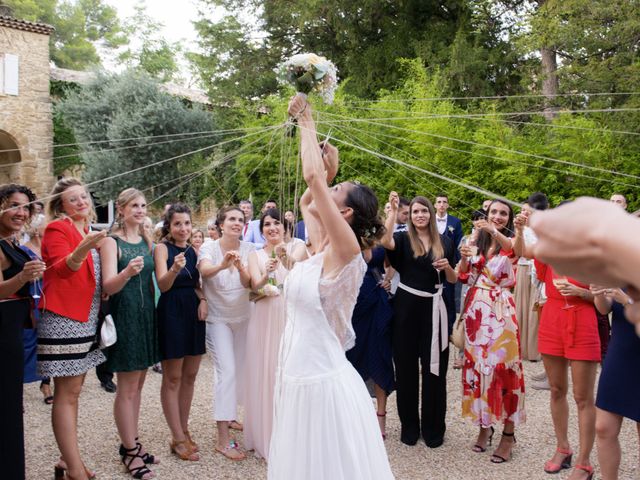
(133, 311)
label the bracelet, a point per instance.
(203, 300)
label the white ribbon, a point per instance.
(439, 325)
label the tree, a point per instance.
(130, 106)
(153, 53)
(364, 39)
(81, 28)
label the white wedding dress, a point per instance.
(325, 425)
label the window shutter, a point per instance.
(11, 74)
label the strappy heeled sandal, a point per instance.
(586, 468)
(479, 448)
(147, 458)
(499, 458)
(60, 471)
(183, 451)
(194, 445)
(551, 467)
(142, 472)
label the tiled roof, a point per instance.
(25, 25)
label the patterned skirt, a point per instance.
(66, 347)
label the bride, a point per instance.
(325, 426)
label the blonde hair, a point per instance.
(54, 207)
(127, 196)
(416, 244)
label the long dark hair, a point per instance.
(276, 215)
(485, 238)
(416, 244)
(365, 222)
(173, 209)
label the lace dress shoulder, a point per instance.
(338, 297)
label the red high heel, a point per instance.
(551, 467)
(586, 468)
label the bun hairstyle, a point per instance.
(365, 222)
(276, 215)
(9, 189)
(173, 209)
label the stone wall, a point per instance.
(27, 117)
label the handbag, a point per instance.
(457, 333)
(108, 334)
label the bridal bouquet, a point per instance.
(308, 72)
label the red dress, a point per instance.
(568, 325)
(492, 375)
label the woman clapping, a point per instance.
(222, 264)
(492, 378)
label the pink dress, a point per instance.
(263, 342)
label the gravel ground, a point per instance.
(454, 460)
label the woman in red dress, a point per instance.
(568, 339)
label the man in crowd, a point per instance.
(253, 233)
(403, 215)
(247, 208)
(451, 227)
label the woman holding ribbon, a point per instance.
(492, 379)
(420, 332)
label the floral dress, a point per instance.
(492, 376)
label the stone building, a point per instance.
(26, 127)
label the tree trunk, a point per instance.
(549, 81)
(549, 76)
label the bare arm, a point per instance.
(112, 281)
(344, 245)
(387, 240)
(166, 276)
(31, 271)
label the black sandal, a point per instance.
(499, 458)
(479, 448)
(131, 454)
(147, 458)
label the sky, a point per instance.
(176, 16)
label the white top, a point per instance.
(530, 238)
(228, 299)
(441, 223)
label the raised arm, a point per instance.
(387, 240)
(344, 245)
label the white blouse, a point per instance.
(228, 299)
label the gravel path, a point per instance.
(454, 460)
